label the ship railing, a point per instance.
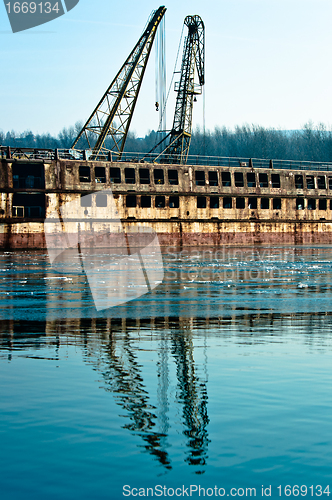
(229, 161)
(138, 157)
(26, 153)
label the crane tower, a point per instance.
(193, 57)
(107, 127)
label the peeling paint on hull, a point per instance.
(185, 213)
(187, 234)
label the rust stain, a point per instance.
(190, 219)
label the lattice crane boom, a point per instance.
(193, 58)
(107, 127)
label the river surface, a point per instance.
(217, 381)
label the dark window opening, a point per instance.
(311, 204)
(330, 204)
(131, 201)
(310, 182)
(275, 179)
(28, 175)
(29, 205)
(160, 201)
(101, 200)
(115, 175)
(201, 201)
(238, 178)
(265, 203)
(263, 180)
(276, 203)
(214, 202)
(226, 179)
(330, 182)
(16, 181)
(240, 203)
(100, 175)
(227, 202)
(299, 181)
(144, 176)
(158, 176)
(174, 202)
(322, 205)
(173, 177)
(213, 178)
(251, 179)
(85, 174)
(200, 178)
(86, 200)
(146, 201)
(18, 211)
(252, 203)
(130, 176)
(300, 203)
(321, 183)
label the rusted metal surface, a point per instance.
(7, 153)
(185, 205)
(314, 235)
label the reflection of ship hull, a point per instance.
(145, 401)
(238, 203)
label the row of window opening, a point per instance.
(226, 179)
(129, 175)
(131, 201)
(214, 202)
(310, 181)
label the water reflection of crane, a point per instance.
(114, 353)
(122, 374)
(193, 396)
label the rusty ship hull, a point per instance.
(234, 202)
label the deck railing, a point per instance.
(212, 161)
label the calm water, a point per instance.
(221, 377)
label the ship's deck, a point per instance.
(138, 157)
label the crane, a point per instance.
(112, 116)
(193, 58)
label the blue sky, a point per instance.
(268, 62)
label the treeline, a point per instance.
(312, 143)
